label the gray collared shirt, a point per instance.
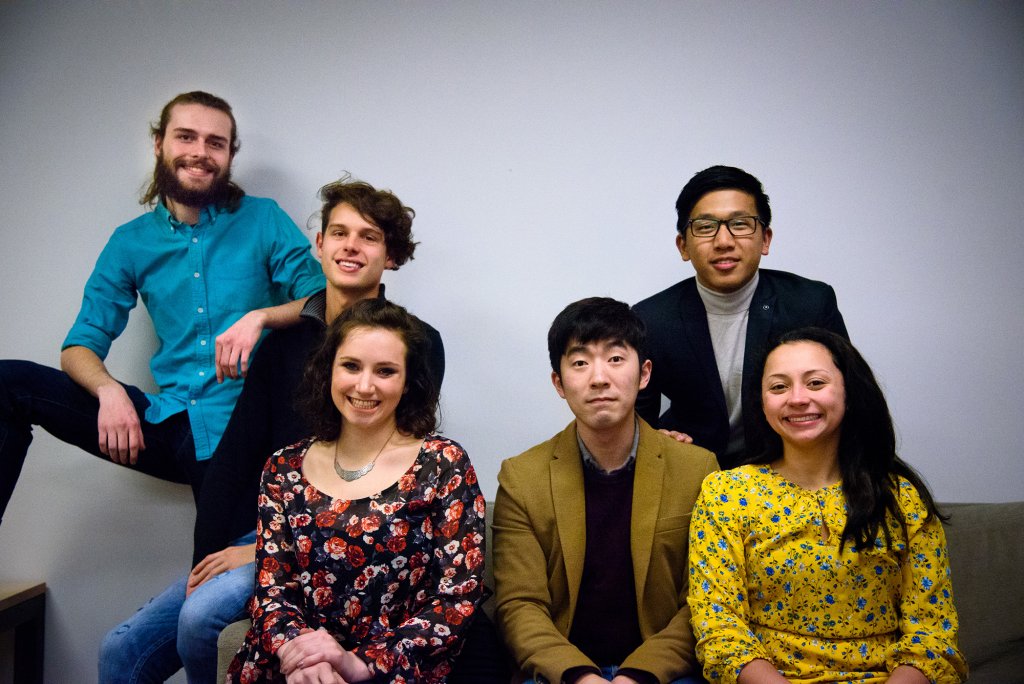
(591, 462)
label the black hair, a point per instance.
(720, 178)
(592, 320)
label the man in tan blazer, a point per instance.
(591, 527)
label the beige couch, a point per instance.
(986, 551)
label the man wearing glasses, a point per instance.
(708, 335)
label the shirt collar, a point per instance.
(590, 462)
(316, 306)
(207, 215)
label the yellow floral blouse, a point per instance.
(768, 580)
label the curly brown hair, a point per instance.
(416, 413)
(380, 207)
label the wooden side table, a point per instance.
(23, 609)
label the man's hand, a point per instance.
(118, 424)
(226, 559)
(235, 344)
(592, 678)
(678, 436)
(120, 431)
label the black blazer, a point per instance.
(684, 368)
(266, 419)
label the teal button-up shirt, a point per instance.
(195, 282)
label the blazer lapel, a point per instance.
(695, 324)
(760, 323)
(570, 508)
(647, 483)
(759, 326)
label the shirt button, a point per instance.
(200, 309)
(195, 240)
(202, 374)
(196, 274)
(202, 343)
(193, 402)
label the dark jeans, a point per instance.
(32, 394)
(483, 659)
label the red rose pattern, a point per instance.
(395, 577)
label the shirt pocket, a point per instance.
(238, 292)
(672, 523)
(670, 549)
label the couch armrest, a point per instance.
(986, 557)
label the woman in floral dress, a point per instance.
(823, 559)
(370, 541)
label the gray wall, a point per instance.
(542, 145)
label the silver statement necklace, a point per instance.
(353, 475)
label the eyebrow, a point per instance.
(212, 136)
(341, 224)
(608, 344)
(730, 215)
(809, 371)
(575, 349)
(375, 364)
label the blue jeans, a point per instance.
(609, 673)
(170, 631)
(33, 394)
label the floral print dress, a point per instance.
(769, 580)
(394, 577)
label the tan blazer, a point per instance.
(539, 543)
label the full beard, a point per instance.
(170, 187)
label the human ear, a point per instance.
(556, 380)
(681, 246)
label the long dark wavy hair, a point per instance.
(867, 445)
(416, 413)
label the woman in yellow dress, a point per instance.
(823, 558)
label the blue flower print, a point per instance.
(819, 609)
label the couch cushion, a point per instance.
(986, 556)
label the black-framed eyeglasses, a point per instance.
(738, 226)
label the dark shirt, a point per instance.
(605, 626)
(265, 420)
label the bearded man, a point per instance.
(214, 268)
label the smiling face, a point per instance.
(804, 396)
(600, 381)
(194, 155)
(352, 253)
(368, 378)
(725, 263)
